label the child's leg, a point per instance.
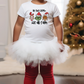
(30, 74)
(47, 74)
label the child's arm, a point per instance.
(17, 28)
(58, 29)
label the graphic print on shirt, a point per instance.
(45, 17)
(31, 16)
(39, 18)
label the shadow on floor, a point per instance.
(19, 78)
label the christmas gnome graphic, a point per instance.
(31, 16)
(38, 17)
(45, 16)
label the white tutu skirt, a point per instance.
(45, 52)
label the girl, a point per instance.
(39, 44)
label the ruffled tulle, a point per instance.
(26, 51)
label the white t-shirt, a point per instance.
(38, 20)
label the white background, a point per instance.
(62, 6)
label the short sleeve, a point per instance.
(56, 11)
(21, 11)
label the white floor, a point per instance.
(73, 66)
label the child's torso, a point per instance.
(38, 21)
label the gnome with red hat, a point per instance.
(31, 16)
(38, 17)
(45, 17)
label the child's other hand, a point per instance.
(62, 46)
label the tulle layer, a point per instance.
(29, 52)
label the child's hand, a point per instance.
(62, 46)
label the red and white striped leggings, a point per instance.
(45, 71)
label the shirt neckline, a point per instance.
(40, 4)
